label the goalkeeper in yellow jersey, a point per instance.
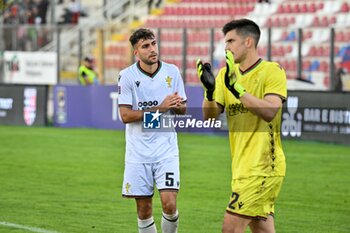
(251, 92)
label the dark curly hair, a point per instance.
(142, 33)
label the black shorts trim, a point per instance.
(169, 190)
(249, 217)
(133, 196)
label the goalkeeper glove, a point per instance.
(207, 78)
(231, 78)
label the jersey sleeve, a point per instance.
(276, 81)
(124, 90)
(220, 87)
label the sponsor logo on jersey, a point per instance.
(147, 104)
(234, 109)
(137, 83)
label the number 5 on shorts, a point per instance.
(169, 179)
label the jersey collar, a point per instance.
(251, 67)
(149, 74)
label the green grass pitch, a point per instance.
(69, 180)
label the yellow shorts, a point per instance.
(254, 197)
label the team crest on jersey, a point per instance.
(137, 83)
(127, 187)
(168, 81)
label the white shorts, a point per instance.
(139, 178)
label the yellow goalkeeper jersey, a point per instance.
(255, 144)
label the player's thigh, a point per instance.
(263, 226)
(234, 223)
(138, 180)
(167, 174)
(168, 199)
(144, 207)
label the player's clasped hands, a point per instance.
(171, 101)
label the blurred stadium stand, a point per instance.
(188, 29)
(283, 17)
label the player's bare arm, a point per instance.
(266, 108)
(128, 115)
(180, 108)
(211, 109)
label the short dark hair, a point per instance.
(243, 27)
(142, 33)
(88, 59)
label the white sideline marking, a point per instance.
(32, 229)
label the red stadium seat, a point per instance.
(345, 7)
(316, 21)
(312, 51)
(293, 65)
(324, 66)
(303, 8)
(326, 81)
(306, 64)
(288, 9)
(320, 5)
(339, 36)
(312, 7)
(280, 9)
(296, 9)
(333, 20)
(324, 21)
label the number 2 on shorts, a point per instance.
(234, 199)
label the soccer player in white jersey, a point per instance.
(151, 158)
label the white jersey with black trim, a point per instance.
(141, 90)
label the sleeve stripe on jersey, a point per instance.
(283, 98)
(125, 105)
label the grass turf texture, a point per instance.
(69, 180)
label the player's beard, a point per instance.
(151, 60)
(239, 59)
